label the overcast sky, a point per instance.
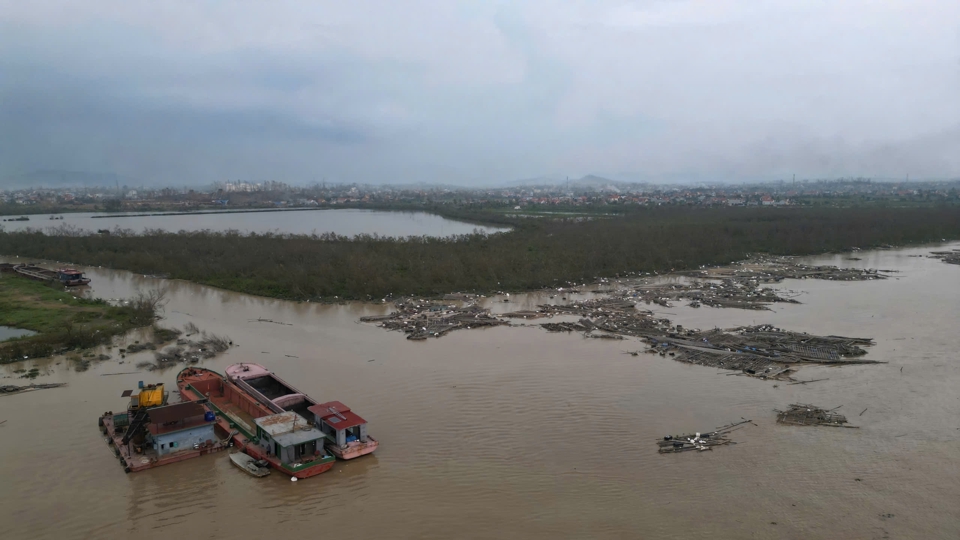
(480, 92)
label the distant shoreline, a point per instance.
(535, 254)
(202, 212)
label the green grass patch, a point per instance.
(62, 321)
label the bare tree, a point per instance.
(149, 304)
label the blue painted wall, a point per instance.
(183, 439)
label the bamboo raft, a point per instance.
(700, 442)
(800, 414)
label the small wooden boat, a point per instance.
(247, 464)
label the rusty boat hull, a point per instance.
(236, 409)
(278, 395)
(354, 449)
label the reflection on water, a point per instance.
(513, 432)
(348, 222)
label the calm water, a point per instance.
(8, 333)
(517, 433)
(347, 222)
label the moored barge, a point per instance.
(68, 277)
(345, 431)
(284, 439)
(152, 433)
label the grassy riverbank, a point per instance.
(62, 322)
(537, 253)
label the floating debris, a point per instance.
(261, 319)
(615, 316)
(137, 347)
(525, 314)
(949, 257)
(808, 415)
(699, 441)
(10, 389)
(422, 319)
(769, 269)
(193, 351)
(762, 351)
(738, 292)
(185, 351)
(464, 297)
(163, 335)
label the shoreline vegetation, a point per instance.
(64, 322)
(535, 254)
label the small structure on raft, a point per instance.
(345, 429)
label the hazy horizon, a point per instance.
(477, 94)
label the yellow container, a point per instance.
(151, 396)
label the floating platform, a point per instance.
(134, 458)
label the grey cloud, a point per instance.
(480, 92)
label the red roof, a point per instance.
(337, 415)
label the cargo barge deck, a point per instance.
(284, 439)
(345, 431)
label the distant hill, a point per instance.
(64, 179)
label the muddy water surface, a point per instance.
(512, 432)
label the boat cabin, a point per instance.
(164, 429)
(70, 276)
(179, 427)
(289, 437)
(339, 423)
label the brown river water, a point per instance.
(512, 432)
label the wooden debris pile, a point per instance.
(949, 257)
(185, 351)
(800, 414)
(190, 351)
(763, 351)
(525, 314)
(614, 316)
(10, 389)
(768, 269)
(741, 293)
(699, 441)
(421, 319)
